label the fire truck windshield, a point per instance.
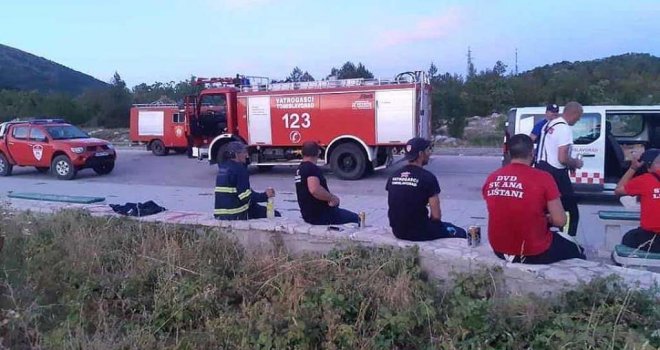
(66, 132)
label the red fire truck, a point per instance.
(360, 123)
(161, 127)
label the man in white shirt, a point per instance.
(555, 158)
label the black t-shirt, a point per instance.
(409, 190)
(310, 207)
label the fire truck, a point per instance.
(360, 123)
(161, 127)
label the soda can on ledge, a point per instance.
(363, 219)
(474, 236)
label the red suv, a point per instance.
(55, 145)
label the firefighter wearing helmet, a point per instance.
(234, 199)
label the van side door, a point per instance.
(589, 144)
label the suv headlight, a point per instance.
(78, 150)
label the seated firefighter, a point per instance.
(234, 199)
(647, 187)
(318, 205)
(409, 190)
(523, 204)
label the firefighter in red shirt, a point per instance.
(647, 187)
(523, 204)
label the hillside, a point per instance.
(632, 78)
(20, 70)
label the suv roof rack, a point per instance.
(46, 120)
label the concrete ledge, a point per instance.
(439, 258)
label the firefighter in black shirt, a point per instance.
(409, 191)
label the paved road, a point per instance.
(460, 177)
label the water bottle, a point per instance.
(270, 208)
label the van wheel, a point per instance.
(348, 161)
(5, 167)
(62, 167)
(42, 169)
(158, 148)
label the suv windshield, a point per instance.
(66, 132)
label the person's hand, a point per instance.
(579, 163)
(635, 163)
(334, 201)
(270, 192)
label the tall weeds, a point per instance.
(71, 281)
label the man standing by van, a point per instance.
(554, 156)
(551, 112)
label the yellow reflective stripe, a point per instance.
(231, 211)
(245, 194)
(225, 189)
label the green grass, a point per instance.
(71, 281)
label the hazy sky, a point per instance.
(147, 41)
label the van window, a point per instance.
(587, 130)
(626, 125)
(20, 132)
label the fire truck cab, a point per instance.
(359, 123)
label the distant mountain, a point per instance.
(20, 70)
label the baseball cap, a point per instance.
(414, 146)
(648, 157)
(552, 108)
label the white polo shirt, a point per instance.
(556, 133)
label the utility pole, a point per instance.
(470, 65)
(516, 69)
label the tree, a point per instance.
(349, 71)
(471, 71)
(297, 75)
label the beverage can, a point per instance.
(363, 218)
(474, 236)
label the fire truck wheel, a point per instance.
(5, 167)
(158, 148)
(348, 161)
(62, 167)
(42, 169)
(104, 169)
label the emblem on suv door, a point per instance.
(37, 151)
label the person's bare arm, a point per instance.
(434, 203)
(621, 186)
(316, 190)
(557, 215)
(565, 158)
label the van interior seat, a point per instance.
(615, 160)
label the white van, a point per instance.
(605, 137)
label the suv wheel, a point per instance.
(63, 168)
(5, 167)
(105, 168)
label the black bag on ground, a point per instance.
(137, 209)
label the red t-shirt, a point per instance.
(647, 187)
(517, 197)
